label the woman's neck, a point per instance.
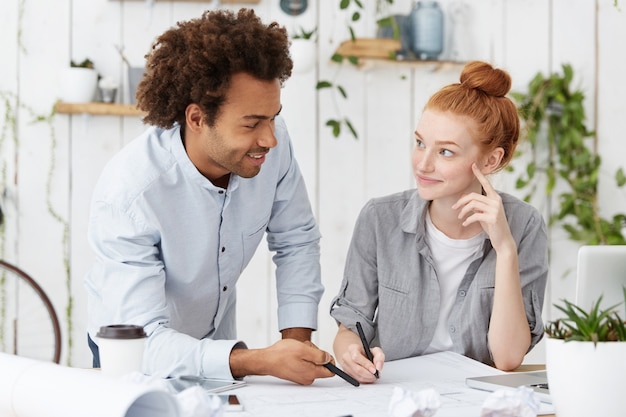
(446, 220)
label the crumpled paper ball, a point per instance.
(196, 402)
(192, 402)
(521, 402)
(405, 403)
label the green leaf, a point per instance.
(337, 58)
(354, 60)
(343, 4)
(335, 125)
(342, 91)
(323, 84)
(352, 130)
(620, 177)
(530, 170)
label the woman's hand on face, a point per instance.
(487, 210)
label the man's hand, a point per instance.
(299, 362)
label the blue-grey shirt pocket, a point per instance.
(251, 239)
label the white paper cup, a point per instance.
(121, 349)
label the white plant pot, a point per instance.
(302, 53)
(586, 380)
(78, 85)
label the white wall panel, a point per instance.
(9, 74)
(611, 90)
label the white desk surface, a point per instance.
(334, 397)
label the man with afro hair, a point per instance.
(178, 213)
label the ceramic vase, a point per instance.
(426, 23)
(135, 74)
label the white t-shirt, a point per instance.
(452, 258)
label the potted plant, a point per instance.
(79, 82)
(302, 49)
(586, 361)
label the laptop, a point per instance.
(601, 270)
(537, 380)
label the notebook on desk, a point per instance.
(537, 380)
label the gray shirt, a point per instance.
(391, 286)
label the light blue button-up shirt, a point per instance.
(170, 247)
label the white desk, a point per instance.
(333, 397)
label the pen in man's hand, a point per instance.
(332, 368)
(366, 346)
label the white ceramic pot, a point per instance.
(303, 54)
(586, 380)
(78, 85)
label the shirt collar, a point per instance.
(189, 169)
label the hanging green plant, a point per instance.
(336, 123)
(355, 8)
(9, 129)
(562, 159)
(49, 121)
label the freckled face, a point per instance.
(443, 156)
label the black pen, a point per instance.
(366, 346)
(332, 368)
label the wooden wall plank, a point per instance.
(43, 159)
(611, 90)
(9, 73)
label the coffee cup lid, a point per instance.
(121, 331)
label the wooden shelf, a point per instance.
(100, 109)
(380, 51)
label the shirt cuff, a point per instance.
(297, 315)
(216, 361)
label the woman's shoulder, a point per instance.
(399, 199)
(515, 207)
(394, 207)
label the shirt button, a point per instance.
(452, 329)
(223, 249)
(462, 293)
(220, 192)
(225, 288)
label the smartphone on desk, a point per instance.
(231, 402)
(212, 385)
